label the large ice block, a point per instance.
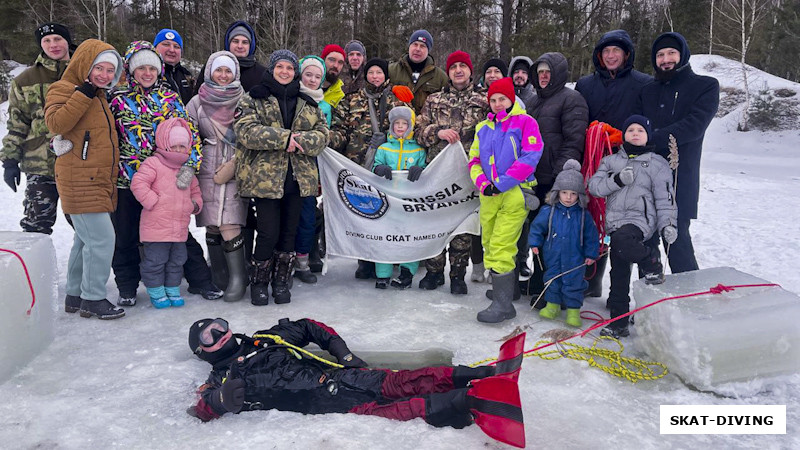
(708, 340)
(23, 336)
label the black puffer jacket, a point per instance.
(562, 115)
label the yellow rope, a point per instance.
(295, 349)
(607, 360)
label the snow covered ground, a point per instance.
(126, 383)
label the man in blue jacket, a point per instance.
(680, 103)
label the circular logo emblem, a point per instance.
(360, 197)
(170, 35)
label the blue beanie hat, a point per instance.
(283, 55)
(167, 34)
(641, 120)
(422, 36)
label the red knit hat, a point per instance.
(332, 48)
(459, 56)
(502, 86)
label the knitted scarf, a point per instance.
(219, 104)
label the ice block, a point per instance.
(708, 340)
(23, 336)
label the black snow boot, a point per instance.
(282, 278)
(404, 280)
(102, 309)
(260, 276)
(381, 283)
(237, 271)
(219, 267)
(501, 308)
(314, 260)
(462, 375)
(72, 303)
(302, 271)
(431, 280)
(366, 270)
(458, 286)
(596, 272)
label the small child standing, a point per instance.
(565, 235)
(400, 152)
(167, 209)
(640, 203)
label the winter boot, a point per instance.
(158, 297)
(314, 258)
(260, 276)
(404, 280)
(302, 271)
(594, 274)
(431, 280)
(174, 295)
(458, 286)
(462, 375)
(478, 273)
(654, 278)
(219, 267)
(501, 308)
(551, 311)
(574, 317)
(102, 309)
(126, 299)
(72, 303)
(617, 328)
(517, 290)
(366, 270)
(237, 272)
(282, 278)
(382, 283)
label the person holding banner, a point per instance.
(503, 157)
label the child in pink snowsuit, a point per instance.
(167, 210)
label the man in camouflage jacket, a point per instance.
(450, 116)
(26, 147)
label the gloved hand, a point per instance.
(625, 176)
(490, 190)
(670, 234)
(338, 348)
(352, 361)
(414, 172)
(531, 200)
(229, 397)
(11, 174)
(185, 174)
(377, 140)
(87, 89)
(383, 171)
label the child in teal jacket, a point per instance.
(400, 152)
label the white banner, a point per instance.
(393, 221)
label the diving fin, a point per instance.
(495, 406)
(509, 362)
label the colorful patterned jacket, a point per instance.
(137, 113)
(505, 151)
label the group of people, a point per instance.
(133, 146)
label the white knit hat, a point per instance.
(223, 61)
(144, 57)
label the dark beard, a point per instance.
(331, 78)
(666, 75)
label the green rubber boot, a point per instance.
(574, 317)
(551, 311)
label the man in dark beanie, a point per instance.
(240, 39)
(169, 45)
(417, 69)
(521, 72)
(680, 103)
(353, 76)
(25, 147)
(448, 117)
(493, 70)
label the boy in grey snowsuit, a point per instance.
(640, 202)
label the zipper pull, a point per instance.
(85, 150)
(674, 102)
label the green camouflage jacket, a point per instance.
(432, 79)
(262, 161)
(28, 138)
(450, 108)
(351, 128)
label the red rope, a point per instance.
(27, 276)
(718, 289)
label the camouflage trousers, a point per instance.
(459, 249)
(40, 205)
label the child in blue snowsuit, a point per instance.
(565, 234)
(400, 152)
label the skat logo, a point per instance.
(360, 197)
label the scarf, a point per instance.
(219, 104)
(316, 94)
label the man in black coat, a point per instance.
(169, 45)
(680, 103)
(240, 39)
(270, 370)
(520, 71)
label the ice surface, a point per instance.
(713, 339)
(23, 336)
